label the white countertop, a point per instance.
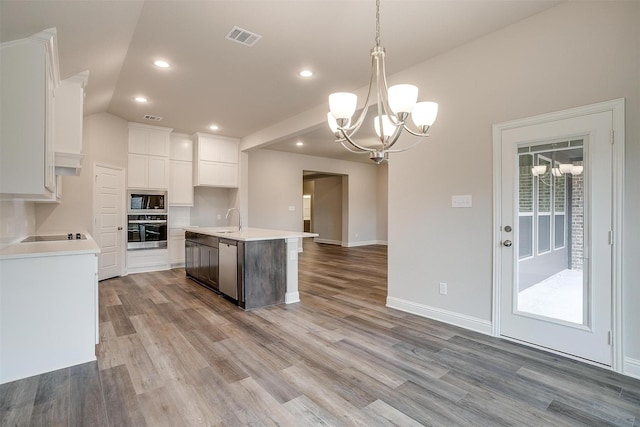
(45, 249)
(249, 234)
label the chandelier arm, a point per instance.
(400, 150)
(385, 94)
(379, 56)
(355, 144)
(356, 126)
(343, 143)
(418, 134)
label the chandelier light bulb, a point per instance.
(402, 98)
(387, 126)
(343, 104)
(424, 113)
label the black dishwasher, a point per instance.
(201, 259)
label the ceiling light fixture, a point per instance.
(161, 64)
(214, 127)
(394, 106)
(299, 143)
(140, 99)
(305, 73)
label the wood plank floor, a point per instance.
(174, 354)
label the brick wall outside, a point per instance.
(577, 220)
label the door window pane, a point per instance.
(525, 242)
(544, 233)
(525, 186)
(550, 280)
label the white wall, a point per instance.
(105, 140)
(17, 220)
(576, 54)
(210, 203)
(275, 183)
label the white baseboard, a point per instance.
(354, 244)
(327, 241)
(450, 317)
(631, 367)
(349, 245)
(291, 297)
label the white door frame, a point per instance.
(123, 242)
(617, 109)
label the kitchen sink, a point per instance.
(55, 238)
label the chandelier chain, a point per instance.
(378, 23)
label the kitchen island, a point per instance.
(254, 267)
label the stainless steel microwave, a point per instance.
(147, 202)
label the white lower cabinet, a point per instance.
(147, 260)
(176, 247)
(48, 313)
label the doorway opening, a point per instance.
(324, 202)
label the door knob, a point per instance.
(507, 243)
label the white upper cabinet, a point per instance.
(29, 76)
(148, 165)
(180, 171)
(69, 103)
(215, 161)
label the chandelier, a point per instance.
(394, 105)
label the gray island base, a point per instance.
(253, 267)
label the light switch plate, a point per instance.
(464, 201)
(292, 208)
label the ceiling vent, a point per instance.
(244, 37)
(154, 118)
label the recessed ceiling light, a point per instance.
(161, 64)
(214, 127)
(305, 73)
(140, 99)
(299, 143)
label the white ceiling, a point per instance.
(245, 89)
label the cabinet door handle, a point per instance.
(119, 228)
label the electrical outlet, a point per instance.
(443, 288)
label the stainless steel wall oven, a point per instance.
(147, 232)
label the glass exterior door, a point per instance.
(550, 277)
(555, 252)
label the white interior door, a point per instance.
(108, 223)
(555, 229)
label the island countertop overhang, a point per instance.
(249, 234)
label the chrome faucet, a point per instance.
(239, 218)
